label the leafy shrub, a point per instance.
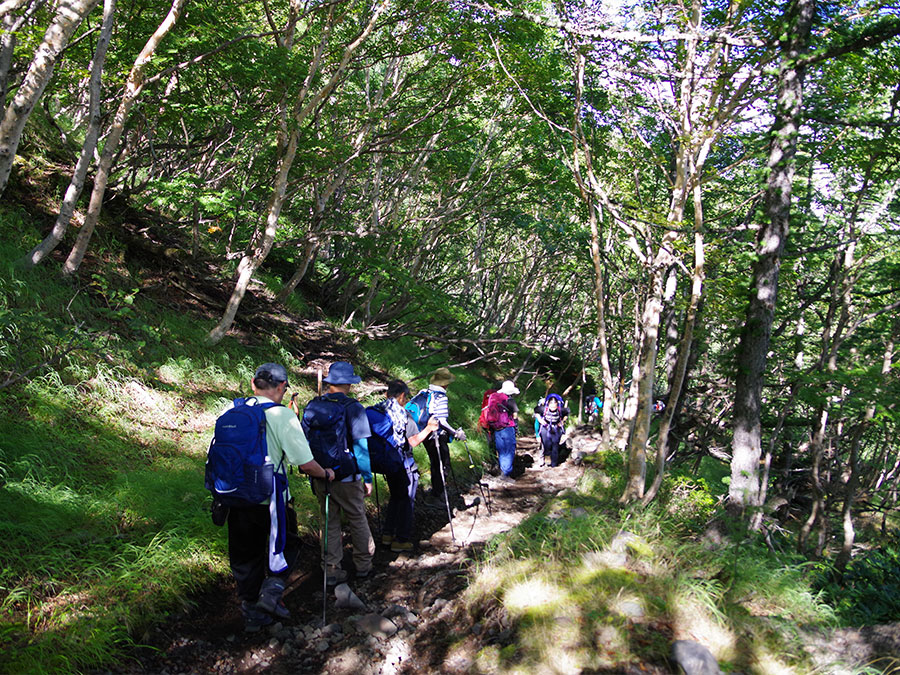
(869, 592)
(688, 499)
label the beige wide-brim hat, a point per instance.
(442, 377)
(509, 388)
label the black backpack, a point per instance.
(325, 424)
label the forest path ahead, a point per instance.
(414, 619)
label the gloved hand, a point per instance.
(460, 434)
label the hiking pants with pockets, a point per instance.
(349, 499)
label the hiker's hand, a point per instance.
(433, 424)
(460, 434)
(368, 488)
(329, 475)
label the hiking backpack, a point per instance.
(482, 418)
(384, 453)
(418, 407)
(496, 416)
(238, 470)
(325, 424)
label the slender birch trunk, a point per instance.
(69, 16)
(684, 352)
(303, 107)
(76, 184)
(134, 85)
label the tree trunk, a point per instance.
(684, 352)
(756, 334)
(304, 106)
(76, 184)
(133, 87)
(67, 20)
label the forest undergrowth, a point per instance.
(108, 400)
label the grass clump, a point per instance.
(595, 585)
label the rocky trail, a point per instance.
(410, 614)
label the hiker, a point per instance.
(438, 406)
(482, 418)
(593, 408)
(260, 571)
(402, 476)
(338, 430)
(502, 419)
(538, 420)
(552, 414)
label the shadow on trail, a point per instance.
(209, 636)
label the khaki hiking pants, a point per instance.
(349, 499)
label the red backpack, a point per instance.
(482, 419)
(496, 415)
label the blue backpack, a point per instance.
(325, 424)
(418, 407)
(384, 453)
(237, 470)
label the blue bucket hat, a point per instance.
(275, 373)
(341, 372)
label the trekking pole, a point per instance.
(482, 485)
(437, 446)
(324, 552)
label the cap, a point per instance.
(271, 372)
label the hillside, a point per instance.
(108, 545)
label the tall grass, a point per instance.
(594, 585)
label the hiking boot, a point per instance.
(387, 539)
(506, 478)
(339, 576)
(270, 596)
(401, 547)
(365, 574)
(254, 619)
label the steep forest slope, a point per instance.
(109, 395)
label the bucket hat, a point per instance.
(509, 388)
(341, 372)
(442, 377)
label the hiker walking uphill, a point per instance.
(394, 435)
(551, 415)
(502, 419)
(338, 431)
(437, 405)
(262, 526)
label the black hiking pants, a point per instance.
(442, 446)
(248, 547)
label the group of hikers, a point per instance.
(339, 444)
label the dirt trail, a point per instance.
(419, 592)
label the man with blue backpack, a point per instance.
(338, 431)
(245, 472)
(394, 435)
